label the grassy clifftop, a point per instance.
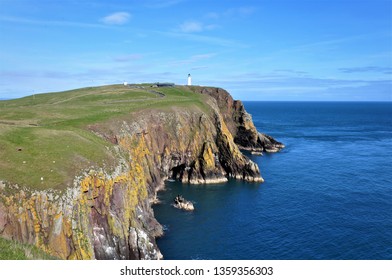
(45, 140)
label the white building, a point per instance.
(189, 80)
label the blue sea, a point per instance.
(327, 195)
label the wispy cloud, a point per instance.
(194, 59)
(253, 86)
(199, 68)
(267, 82)
(332, 43)
(324, 48)
(157, 4)
(27, 21)
(375, 69)
(232, 13)
(241, 11)
(212, 40)
(118, 18)
(290, 71)
(129, 57)
(212, 15)
(202, 56)
(192, 26)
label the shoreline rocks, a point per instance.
(181, 203)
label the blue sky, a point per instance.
(258, 50)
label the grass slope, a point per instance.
(44, 140)
(12, 250)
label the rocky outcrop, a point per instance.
(187, 206)
(269, 144)
(106, 213)
(181, 203)
(240, 123)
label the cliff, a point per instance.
(105, 212)
(240, 122)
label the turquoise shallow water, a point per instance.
(327, 195)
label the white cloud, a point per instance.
(232, 13)
(191, 26)
(27, 21)
(241, 11)
(118, 18)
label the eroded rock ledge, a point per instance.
(107, 214)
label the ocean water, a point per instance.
(327, 195)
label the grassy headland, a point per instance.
(45, 140)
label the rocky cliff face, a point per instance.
(240, 122)
(107, 214)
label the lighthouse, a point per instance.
(189, 80)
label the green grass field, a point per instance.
(45, 141)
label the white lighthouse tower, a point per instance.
(189, 80)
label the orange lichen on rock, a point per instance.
(208, 156)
